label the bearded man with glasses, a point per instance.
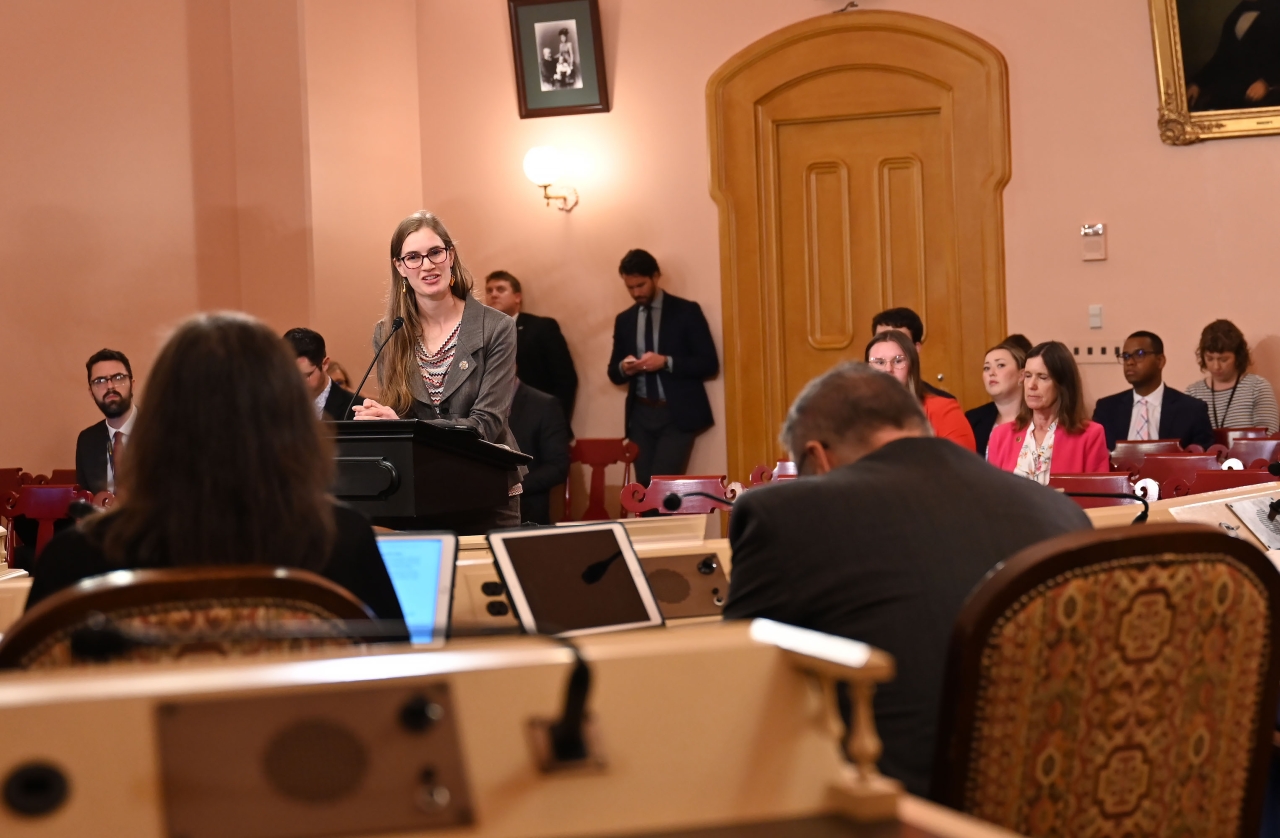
(100, 446)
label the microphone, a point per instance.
(395, 327)
(596, 570)
(568, 733)
(674, 501)
(1274, 468)
(1141, 517)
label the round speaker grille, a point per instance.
(315, 761)
(669, 586)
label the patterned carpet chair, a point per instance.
(167, 614)
(1115, 683)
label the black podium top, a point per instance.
(444, 436)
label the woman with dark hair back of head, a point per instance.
(454, 361)
(227, 465)
(893, 352)
(1002, 378)
(1052, 433)
(1236, 397)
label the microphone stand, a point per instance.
(674, 501)
(396, 325)
(1141, 517)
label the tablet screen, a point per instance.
(577, 579)
(417, 566)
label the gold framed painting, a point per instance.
(1217, 67)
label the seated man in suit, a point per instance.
(538, 424)
(1151, 410)
(99, 445)
(542, 355)
(330, 399)
(881, 539)
(662, 351)
(909, 323)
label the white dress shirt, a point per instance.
(1152, 403)
(322, 398)
(127, 430)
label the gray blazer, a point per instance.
(481, 381)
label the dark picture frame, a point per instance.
(559, 57)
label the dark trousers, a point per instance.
(664, 448)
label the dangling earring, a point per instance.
(404, 285)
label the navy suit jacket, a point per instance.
(684, 336)
(1182, 417)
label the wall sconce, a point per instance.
(543, 166)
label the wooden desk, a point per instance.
(13, 597)
(718, 730)
(1209, 508)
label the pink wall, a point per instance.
(257, 153)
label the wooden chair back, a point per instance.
(1113, 483)
(598, 455)
(1214, 480)
(44, 504)
(1130, 453)
(1253, 452)
(60, 477)
(1125, 677)
(1163, 467)
(198, 610)
(1227, 437)
(782, 470)
(638, 499)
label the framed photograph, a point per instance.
(559, 57)
(1217, 67)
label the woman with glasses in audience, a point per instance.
(227, 465)
(454, 361)
(1052, 433)
(1002, 378)
(1236, 398)
(893, 352)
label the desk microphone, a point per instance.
(674, 501)
(395, 327)
(1141, 517)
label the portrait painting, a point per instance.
(559, 57)
(1218, 68)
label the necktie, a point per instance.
(650, 378)
(117, 448)
(1144, 420)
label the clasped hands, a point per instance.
(648, 362)
(372, 410)
(1256, 92)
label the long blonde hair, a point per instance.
(399, 362)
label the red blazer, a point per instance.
(949, 422)
(1072, 453)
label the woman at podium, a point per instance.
(454, 359)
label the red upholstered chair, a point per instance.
(1250, 450)
(1174, 470)
(598, 454)
(44, 504)
(60, 477)
(761, 474)
(1115, 483)
(1130, 453)
(1115, 682)
(1213, 480)
(637, 499)
(1227, 436)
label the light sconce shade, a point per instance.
(543, 165)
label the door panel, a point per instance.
(858, 161)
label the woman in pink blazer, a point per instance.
(1052, 434)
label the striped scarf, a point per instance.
(435, 365)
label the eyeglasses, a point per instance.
(413, 259)
(897, 362)
(104, 380)
(1137, 355)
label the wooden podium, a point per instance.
(412, 474)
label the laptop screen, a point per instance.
(421, 571)
(575, 580)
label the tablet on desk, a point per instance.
(575, 580)
(421, 568)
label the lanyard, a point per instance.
(1213, 402)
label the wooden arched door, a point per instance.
(858, 161)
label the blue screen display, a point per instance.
(414, 567)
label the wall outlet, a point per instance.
(1095, 349)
